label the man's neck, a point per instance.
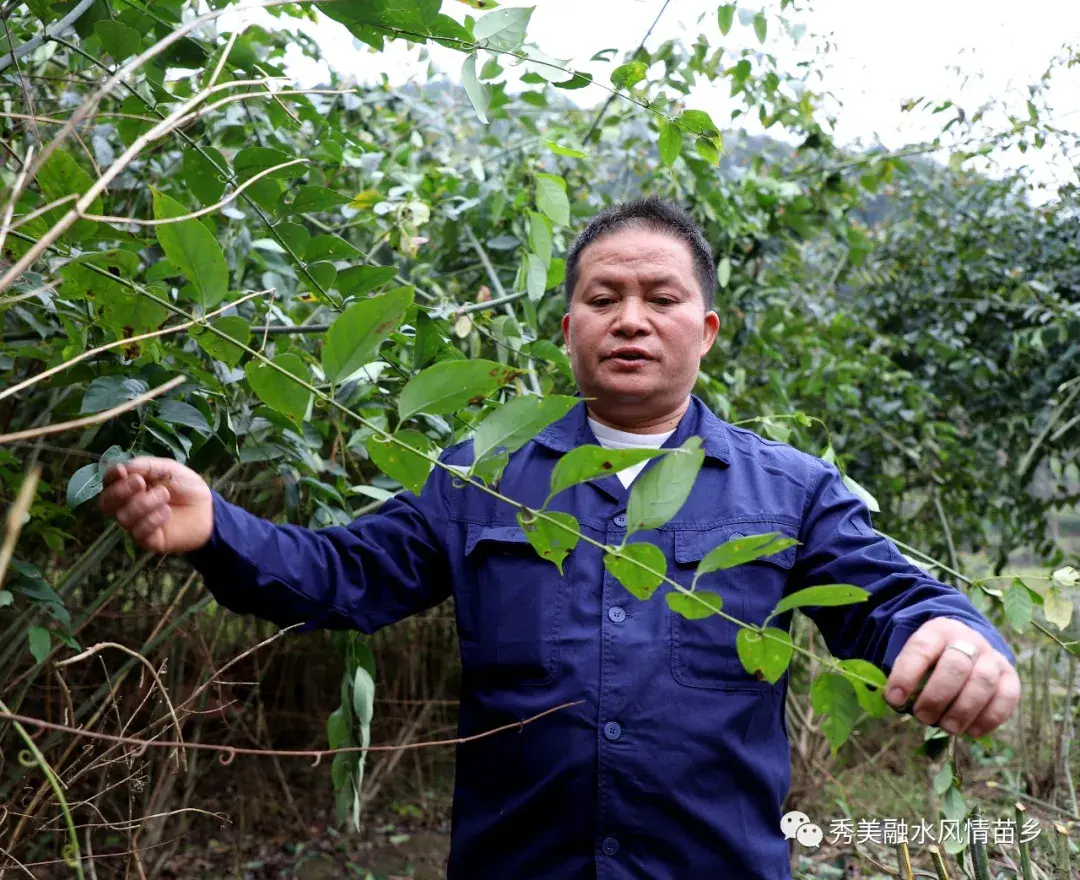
(643, 424)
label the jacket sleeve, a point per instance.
(839, 546)
(382, 567)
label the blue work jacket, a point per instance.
(676, 762)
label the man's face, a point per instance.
(637, 328)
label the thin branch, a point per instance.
(209, 209)
(96, 417)
(9, 211)
(57, 28)
(227, 753)
(16, 515)
(86, 355)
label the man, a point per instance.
(676, 762)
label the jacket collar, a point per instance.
(573, 430)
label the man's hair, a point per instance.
(652, 213)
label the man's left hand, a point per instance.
(964, 694)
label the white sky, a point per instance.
(883, 53)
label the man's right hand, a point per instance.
(165, 506)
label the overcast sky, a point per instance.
(884, 53)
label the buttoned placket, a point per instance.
(611, 734)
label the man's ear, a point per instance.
(566, 331)
(712, 327)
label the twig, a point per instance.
(59, 27)
(16, 514)
(9, 211)
(227, 753)
(96, 417)
(101, 646)
(52, 371)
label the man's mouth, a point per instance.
(628, 355)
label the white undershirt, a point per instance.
(610, 438)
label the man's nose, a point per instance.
(631, 318)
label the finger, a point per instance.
(141, 506)
(151, 523)
(116, 472)
(1001, 706)
(916, 658)
(975, 695)
(153, 469)
(950, 675)
(120, 493)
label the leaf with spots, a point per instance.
(695, 606)
(764, 656)
(659, 493)
(398, 463)
(743, 549)
(625, 568)
(277, 390)
(584, 463)
(871, 697)
(550, 541)
(828, 594)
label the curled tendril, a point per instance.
(226, 758)
(458, 483)
(527, 516)
(317, 761)
(70, 855)
(27, 759)
(141, 750)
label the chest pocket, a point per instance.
(514, 602)
(703, 652)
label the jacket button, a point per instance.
(616, 614)
(620, 520)
(612, 730)
(610, 846)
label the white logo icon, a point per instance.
(798, 825)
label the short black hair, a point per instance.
(656, 214)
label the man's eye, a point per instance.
(602, 301)
(664, 300)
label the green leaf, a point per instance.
(117, 39)
(251, 160)
(399, 464)
(944, 778)
(199, 174)
(1057, 607)
(192, 247)
(176, 412)
(6, 598)
(871, 698)
(547, 539)
(833, 695)
(80, 281)
(310, 200)
(540, 236)
(726, 15)
(560, 150)
(296, 237)
(827, 595)
(579, 80)
(323, 275)
(354, 338)
(363, 696)
(84, 483)
(639, 582)
(515, 423)
(449, 386)
(763, 657)
(551, 198)
(761, 26)
(627, 75)
(61, 176)
(707, 150)
(330, 247)
(1019, 606)
(659, 493)
(503, 29)
(723, 272)
(699, 122)
(221, 349)
(705, 605)
(337, 729)
(670, 141)
(40, 643)
(745, 549)
(479, 93)
(556, 274)
(869, 500)
(588, 462)
(358, 280)
(535, 277)
(105, 392)
(279, 392)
